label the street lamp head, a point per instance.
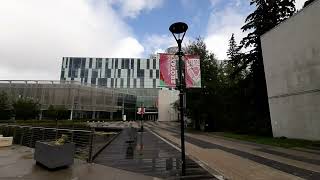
(178, 30)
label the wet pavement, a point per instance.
(147, 154)
(16, 163)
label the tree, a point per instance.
(307, 3)
(233, 49)
(203, 103)
(267, 15)
(57, 113)
(26, 108)
(235, 61)
(6, 111)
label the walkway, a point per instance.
(147, 154)
(242, 160)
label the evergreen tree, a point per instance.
(26, 108)
(233, 50)
(267, 15)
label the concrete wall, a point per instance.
(291, 53)
(165, 109)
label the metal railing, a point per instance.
(28, 135)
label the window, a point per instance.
(62, 74)
(86, 72)
(93, 80)
(154, 64)
(108, 73)
(157, 73)
(148, 63)
(138, 64)
(128, 82)
(107, 63)
(99, 63)
(94, 73)
(82, 71)
(74, 73)
(119, 73)
(90, 63)
(154, 84)
(140, 73)
(70, 63)
(126, 64)
(116, 64)
(151, 73)
(141, 82)
(83, 63)
(112, 82)
(122, 63)
(132, 63)
(121, 83)
(102, 81)
(135, 83)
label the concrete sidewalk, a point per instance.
(16, 162)
(239, 160)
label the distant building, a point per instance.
(112, 72)
(172, 50)
(137, 76)
(81, 101)
(291, 55)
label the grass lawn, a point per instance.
(280, 142)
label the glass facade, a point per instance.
(135, 75)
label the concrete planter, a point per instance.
(5, 141)
(54, 156)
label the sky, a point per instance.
(36, 34)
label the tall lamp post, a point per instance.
(178, 31)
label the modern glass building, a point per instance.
(81, 101)
(112, 72)
(138, 76)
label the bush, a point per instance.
(6, 111)
(57, 113)
(26, 108)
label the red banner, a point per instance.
(192, 71)
(168, 70)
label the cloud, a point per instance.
(221, 25)
(224, 21)
(36, 34)
(132, 8)
(299, 4)
(156, 43)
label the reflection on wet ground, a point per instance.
(147, 154)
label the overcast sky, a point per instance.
(36, 34)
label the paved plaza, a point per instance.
(16, 163)
(235, 159)
(155, 154)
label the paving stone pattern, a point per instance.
(303, 173)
